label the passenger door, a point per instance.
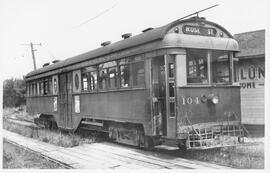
(65, 100)
(158, 87)
(170, 95)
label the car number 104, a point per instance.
(190, 100)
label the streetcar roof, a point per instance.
(142, 38)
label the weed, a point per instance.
(15, 157)
(54, 137)
(243, 157)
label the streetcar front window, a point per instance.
(197, 66)
(220, 67)
(206, 67)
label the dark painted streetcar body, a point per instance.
(172, 84)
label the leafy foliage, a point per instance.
(14, 91)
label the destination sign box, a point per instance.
(199, 30)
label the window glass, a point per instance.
(197, 68)
(34, 89)
(138, 58)
(41, 88)
(138, 73)
(171, 69)
(107, 64)
(124, 61)
(85, 81)
(46, 87)
(171, 89)
(27, 89)
(30, 89)
(113, 74)
(37, 89)
(50, 86)
(93, 80)
(220, 67)
(103, 76)
(172, 109)
(88, 69)
(124, 75)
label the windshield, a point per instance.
(197, 66)
(207, 66)
(220, 67)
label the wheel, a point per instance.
(148, 143)
(182, 145)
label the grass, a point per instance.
(19, 113)
(16, 158)
(249, 156)
(56, 137)
(242, 157)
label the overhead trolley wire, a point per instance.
(96, 16)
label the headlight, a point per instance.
(215, 100)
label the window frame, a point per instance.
(197, 67)
(210, 76)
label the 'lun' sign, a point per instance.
(199, 30)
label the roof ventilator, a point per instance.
(46, 64)
(147, 29)
(105, 43)
(55, 61)
(127, 35)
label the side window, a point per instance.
(30, 89)
(41, 88)
(108, 75)
(38, 94)
(124, 75)
(113, 74)
(27, 89)
(85, 81)
(50, 86)
(103, 76)
(89, 78)
(35, 88)
(54, 85)
(46, 87)
(77, 83)
(138, 73)
(126, 72)
(93, 80)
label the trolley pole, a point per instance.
(33, 53)
(33, 56)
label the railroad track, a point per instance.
(63, 165)
(115, 155)
(23, 122)
(104, 155)
(162, 150)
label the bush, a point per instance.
(14, 91)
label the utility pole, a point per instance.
(33, 52)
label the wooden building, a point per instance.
(251, 75)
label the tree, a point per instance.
(14, 91)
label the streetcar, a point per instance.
(170, 85)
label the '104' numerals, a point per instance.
(190, 100)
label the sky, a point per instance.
(66, 28)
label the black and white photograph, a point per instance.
(134, 84)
